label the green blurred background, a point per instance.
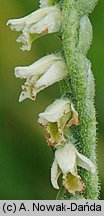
(25, 158)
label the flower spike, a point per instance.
(55, 119)
(67, 158)
(44, 20)
(41, 74)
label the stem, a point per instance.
(77, 36)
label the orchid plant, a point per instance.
(70, 121)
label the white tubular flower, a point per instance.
(44, 20)
(41, 74)
(67, 158)
(55, 118)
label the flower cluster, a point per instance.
(61, 114)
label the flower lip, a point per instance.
(26, 93)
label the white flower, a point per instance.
(56, 118)
(67, 158)
(41, 74)
(44, 20)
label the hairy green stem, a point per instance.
(77, 36)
